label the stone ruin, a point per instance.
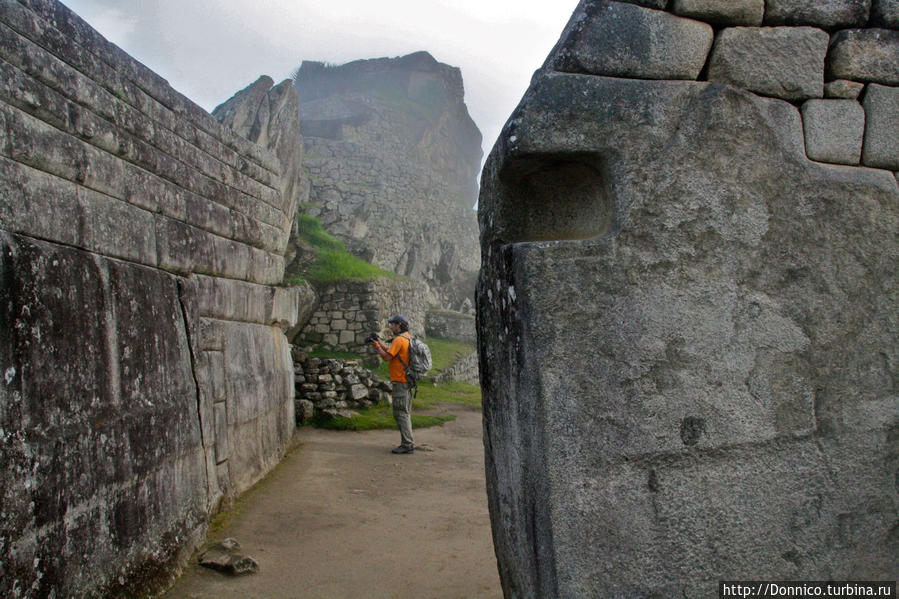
(687, 307)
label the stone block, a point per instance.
(284, 307)
(41, 146)
(24, 92)
(782, 62)
(211, 216)
(230, 259)
(864, 55)
(881, 147)
(182, 248)
(885, 13)
(220, 414)
(305, 410)
(215, 364)
(347, 337)
(38, 204)
(358, 392)
(834, 130)
(265, 268)
(626, 40)
(94, 351)
(723, 12)
(827, 14)
(657, 4)
(843, 89)
(113, 228)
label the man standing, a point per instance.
(398, 357)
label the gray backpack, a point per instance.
(419, 360)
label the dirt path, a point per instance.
(342, 517)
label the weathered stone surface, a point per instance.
(843, 89)
(267, 115)
(658, 4)
(783, 62)
(305, 410)
(626, 40)
(116, 439)
(885, 13)
(451, 325)
(864, 55)
(679, 361)
(119, 446)
(226, 557)
(834, 130)
(259, 383)
(827, 14)
(723, 12)
(881, 127)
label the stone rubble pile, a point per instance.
(837, 60)
(335, 387)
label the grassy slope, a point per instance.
(332, 262)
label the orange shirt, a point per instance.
(399, 346)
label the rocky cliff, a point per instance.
(392, 157)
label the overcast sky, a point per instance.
(210, 49)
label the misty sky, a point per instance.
(210, 49)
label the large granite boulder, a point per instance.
(687, 339)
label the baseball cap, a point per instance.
(398, 319)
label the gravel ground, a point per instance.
(342, 517)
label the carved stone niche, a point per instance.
(554, 197)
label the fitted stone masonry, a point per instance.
(699, 384)
(147, 380)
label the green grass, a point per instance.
(429, 395)
(332, 262)
(378, 417)
(445, 351)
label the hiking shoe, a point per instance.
(402, 449)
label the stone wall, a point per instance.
(687, 317)
(451, 325)
(348, 312)
(464, 370)
(146, 375)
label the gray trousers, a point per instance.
(402, 412)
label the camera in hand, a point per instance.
(372, 337)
